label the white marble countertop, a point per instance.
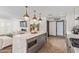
(72, 36)
(28, 35)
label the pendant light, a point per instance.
(26, 16)
(34, 18)
(40, 19)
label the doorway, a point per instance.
(55, 28)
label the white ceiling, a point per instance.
(18, 11)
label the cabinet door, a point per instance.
(41, 41)
(52, 28)
(33, 48)
(60, 28)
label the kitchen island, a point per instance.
(28, 43)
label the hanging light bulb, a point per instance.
(34, 18)
(40, 19)
(26, 16)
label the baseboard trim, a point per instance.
(56, 36)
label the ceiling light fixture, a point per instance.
(26, 16)
(34, 18)
(40, 19)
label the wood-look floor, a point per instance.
(7, 49)
(53, 45)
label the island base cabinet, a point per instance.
(40, 41)
(30, 43)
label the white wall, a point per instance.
(9, 22)
(43, 25)
(9, 26)
(10, 17)
(71, 22)
(65, 13)
(13, 15)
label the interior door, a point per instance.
(60, 28)
(52, 28)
